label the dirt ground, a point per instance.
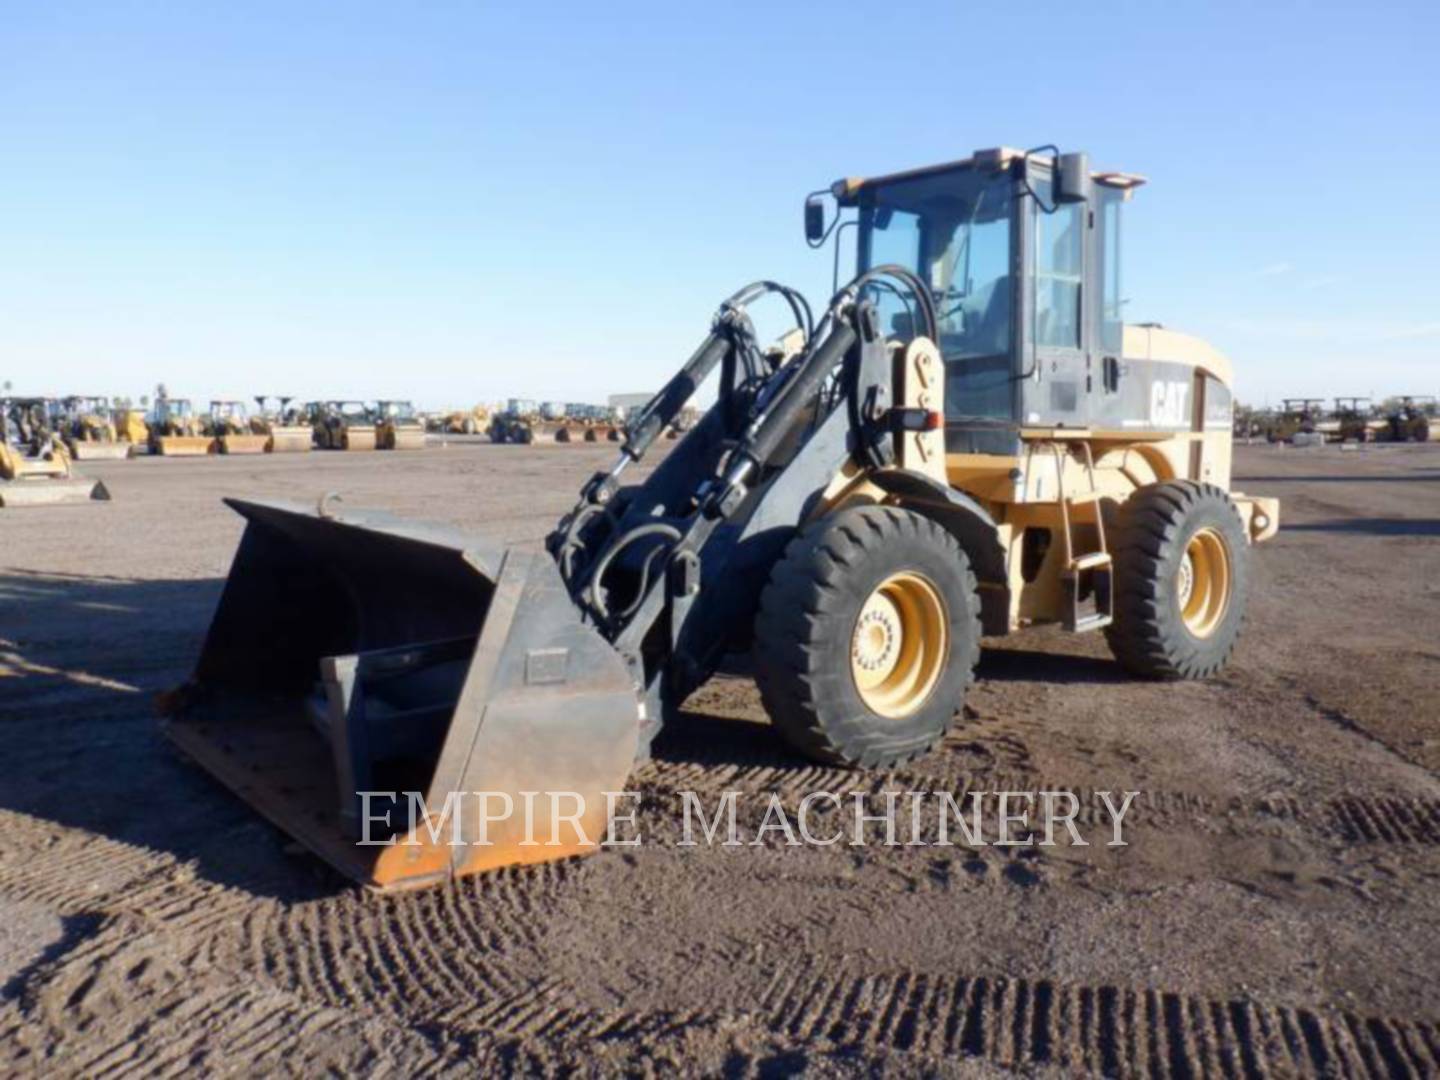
(1276, 910)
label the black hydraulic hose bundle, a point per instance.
(790, 390)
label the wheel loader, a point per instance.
(1357, 421)
(516, 423)
(286, 430)
(965, 441)
(175, 430)
(131, 427)
(228, 425)
(460, 422)
(1298, 416)
(35, 467)
(89, 431)
(397, 426)
(1413, 419)
(343, 425)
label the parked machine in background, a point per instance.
(88, 427)
(1297, 416)
(923, 470)
(131, 427)
(228, 424)
(475, 421)
(285, 427)
(1413, 419)
(398, 427)
(35, 465)
(515, 423)
(343, 425)
(1356, 420)
(176, 431)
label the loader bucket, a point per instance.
(49, 492)
(359, 653)
(289, 440)
(242, 444)
(185, 445)
(88, 450)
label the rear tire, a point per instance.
(867, 637)
(1181, 580)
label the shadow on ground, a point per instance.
(81, 659)
(1373, 526)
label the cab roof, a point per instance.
(847, 190)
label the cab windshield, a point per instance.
(954, 230)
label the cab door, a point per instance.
(1058, 311)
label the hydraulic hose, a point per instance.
(729, 323)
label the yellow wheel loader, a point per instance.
(286, 430)
(398, 427)
(175, 430)
(517, 423)
(473, 422)
(130, 423)
(1300, 416)
(343, 425)
(228, 424)
(35, 467)
(1413, 419)
(1356, 420)
(89, 429)
(966, 442)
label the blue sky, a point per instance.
(463, 201)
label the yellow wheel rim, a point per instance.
(899, 645)
(1202, 584)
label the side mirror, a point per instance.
(814, 220)
(1072, 178)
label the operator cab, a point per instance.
(1021, 253)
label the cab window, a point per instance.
(1059, 265)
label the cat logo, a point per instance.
(1169, 404)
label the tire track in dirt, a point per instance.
(1351, 817)
(1104, 1029)
(125, 1002)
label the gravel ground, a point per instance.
(1275, 910)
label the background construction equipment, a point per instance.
(35, 467)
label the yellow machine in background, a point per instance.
(87, 425)
(175, 430)
(131, 427)
(285, 429)
(228, 423)
(398, 428)
(343, 425)
(35, 467)
(472, 422)
(1413, 418)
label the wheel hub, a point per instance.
(1203, 582)
(900, 645)
(876, 644)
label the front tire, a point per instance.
(867, 637)
(1181, 581)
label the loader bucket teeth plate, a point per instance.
(243, 444)
(289, 440)
(100, 451)
(186, 445)
(362, 653)
(50, 492)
